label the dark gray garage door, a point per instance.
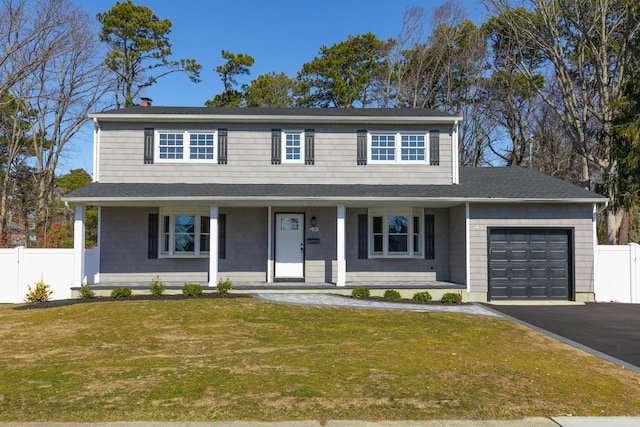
(529, 264)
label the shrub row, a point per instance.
(393, 295)
(156, 288)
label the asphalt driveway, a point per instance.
(609, 328)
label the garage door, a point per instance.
(527, 264)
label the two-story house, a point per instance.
(340, 196)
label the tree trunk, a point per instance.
(623, 234)
(613, 221)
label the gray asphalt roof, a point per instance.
(475, 183)
(252, 111)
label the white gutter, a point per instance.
(90, 200)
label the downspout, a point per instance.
(96, 150)
(455, 162)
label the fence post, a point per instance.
(634, 272)
(20, 291)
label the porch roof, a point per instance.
(478, 185)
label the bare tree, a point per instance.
(59, 93)
(587, 45)
(25, 25)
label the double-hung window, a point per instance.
(395, 233)
(185, 146)
(293, 147)
(395, 147)
(184, 233)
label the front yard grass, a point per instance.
(245, 359)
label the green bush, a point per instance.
(86, 291)
(40, 293)
(224, 286)
(192, 290)
(392, 295)
(424, 296)
(361, 293)
(451, 298)
(156, 287)
(121, 293)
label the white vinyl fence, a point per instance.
(617, 273)
(21, 267)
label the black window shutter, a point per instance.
(363, 237)
(434, 148)
(276, 146)
(222, 236)
(148, 145)
(429, 237)
(222, 146)
(309, 147)
(362, 147)
(152, 247)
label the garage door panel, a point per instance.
(538, 255)
(529, 264)
(538, 273)
(498, 255)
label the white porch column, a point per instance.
(78, 245)
(340, 256)
(269, 245)
(213, 245)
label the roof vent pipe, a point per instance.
(146, 102)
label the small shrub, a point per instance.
(361, 293)
(451, 298)
(121, 293)
(192, 290)
(156, 287)
(392, 295)
(86, 291)
(40, 293)
(224, 286)
(424, 296)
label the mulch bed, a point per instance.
(208, 295)
(73, 301)
(405, 301)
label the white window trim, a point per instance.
(172, 213)
(398, 147)
(283, 149)
(186, 147)
(385, 213)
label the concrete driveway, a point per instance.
(608, 328)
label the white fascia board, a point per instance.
(260, 118)
(340, 200)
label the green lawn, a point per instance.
(245, 359)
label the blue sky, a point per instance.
(281, 35)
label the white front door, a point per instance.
(289, 246)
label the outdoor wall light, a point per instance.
(314, 221)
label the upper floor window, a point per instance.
(185, 146)
(292, 147)
(398, 147)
